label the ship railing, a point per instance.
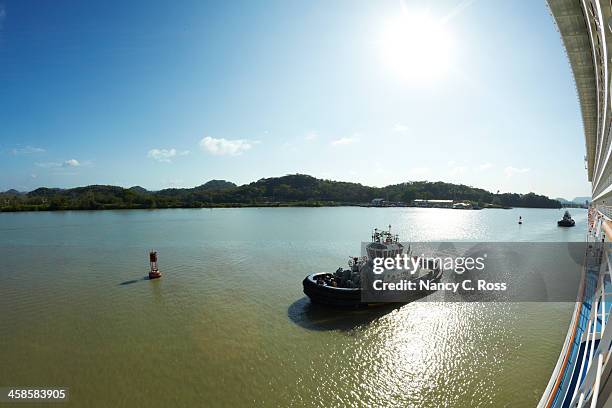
(587, 388)
(551, 393)
(605, 210)
(587, 391)
(586, 327)
(566, 391)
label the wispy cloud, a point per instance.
(400, 128)
(310, 136)
(172, 183)
(290, 146)
(511, 171)
(2, 15)
(26, 150)
(485, 166)
(225, 147)
(47, 165)
(66, 163)
(344, 141)
(165, 155)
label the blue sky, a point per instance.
(165, 94)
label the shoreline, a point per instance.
(279, 205)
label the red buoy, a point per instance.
(154, 273)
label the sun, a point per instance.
(415, 47)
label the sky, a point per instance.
(165, 94)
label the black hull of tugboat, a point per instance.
(564, 223)
(349, 298)
(331, 296)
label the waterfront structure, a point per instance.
(433, 203)
(462, 206)
(582, 376)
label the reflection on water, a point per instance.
(228, 324)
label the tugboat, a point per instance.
(344, 288)
(567, 220)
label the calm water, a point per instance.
(228, 325)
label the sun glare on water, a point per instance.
(415, 47)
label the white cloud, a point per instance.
(71, 163)
(65, 173)
(311, 136)
(165, 155)
(67, 163)
(400, 128)
(27, 150)
(511, 171)
(485, 166)
(458, 171)
(47, 165)
(225, 147)
(343, 141)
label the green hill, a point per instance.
(216, 185)
(290, 190)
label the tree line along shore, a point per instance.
(290, 190)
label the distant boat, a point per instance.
(567, 220)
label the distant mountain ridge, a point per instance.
(217, 185)
(581, 200)
(576, 200)
(293, 190)
(138, 189)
